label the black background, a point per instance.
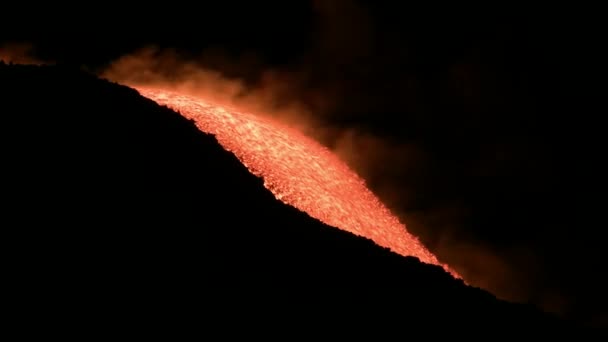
(501, 103)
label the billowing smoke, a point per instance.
(269, 94)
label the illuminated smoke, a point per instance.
(299, 172)
(18, 53)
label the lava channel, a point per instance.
(299, 172)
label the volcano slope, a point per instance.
(119, 213)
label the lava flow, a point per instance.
(299, 172)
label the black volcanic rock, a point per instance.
(119, 213)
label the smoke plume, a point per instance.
(269, 94)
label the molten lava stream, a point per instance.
(299, 172)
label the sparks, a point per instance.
(299, 172)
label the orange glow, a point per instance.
(299, 172)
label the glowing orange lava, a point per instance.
(299, 172)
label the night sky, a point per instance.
(478, 126)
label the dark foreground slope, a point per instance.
(119, 213)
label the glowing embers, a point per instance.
(299, 172)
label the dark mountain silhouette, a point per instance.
(119, 213)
